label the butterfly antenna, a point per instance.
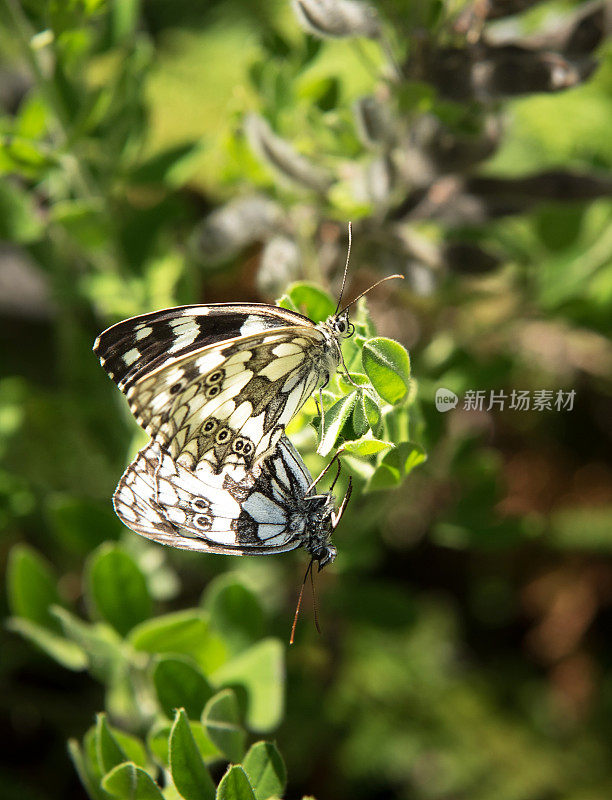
(299, 602)
(373, 286)
(348, 255)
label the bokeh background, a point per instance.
(155, 154)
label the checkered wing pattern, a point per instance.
(217, 384)
(239, 512)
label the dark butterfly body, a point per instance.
(268, 509)
(219, 383)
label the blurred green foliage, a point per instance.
(157, 154)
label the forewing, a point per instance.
(229, 403)
(139, 345)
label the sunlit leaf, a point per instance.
(187, 767)
(266, 770)
(234, 785)
(387, 364)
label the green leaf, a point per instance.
(62, 650)
(320, 91)
(221, 719)
(266, 770)
(334, 419)
(308, 299)
(396, 465)
(117, 589)
(184, 632)
(180, 684)
(130, 782)
(158, 742)
(114, 747)
(387, 365)
(24, 156)
(360, 419)
(365, 447)
(235, 612)
(85, 221)
(124, 18)
(187, 767)
(372, 411)
(109, 751)
(87, 775)
(20, 220)
(31, 587)
(171, 167)
(100, 643)
(260, 670)
(79, 524)
(234, 785)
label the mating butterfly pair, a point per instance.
(215, 386)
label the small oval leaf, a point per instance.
(117, 589)
(310, 300)
(129, 782)
(187, 767)
(261, 671)
(235, 612)
(221, 719)
(180, 684)
(32, 587)
(266, 770)
(234, 785)
(387, 365)
(365, 447)
(333, 422)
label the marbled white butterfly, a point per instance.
(219, 383)
(268, 509)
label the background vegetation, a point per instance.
(156, 154)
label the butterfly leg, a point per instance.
(322, 410)
(338, 516)
(324, 471)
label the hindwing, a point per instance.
(237, 512)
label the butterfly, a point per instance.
(268, 509)
(218, 383)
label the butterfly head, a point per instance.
(340, 325)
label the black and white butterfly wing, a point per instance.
(206, 397)
(237, 512)
(135, 499)
(137, 346)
